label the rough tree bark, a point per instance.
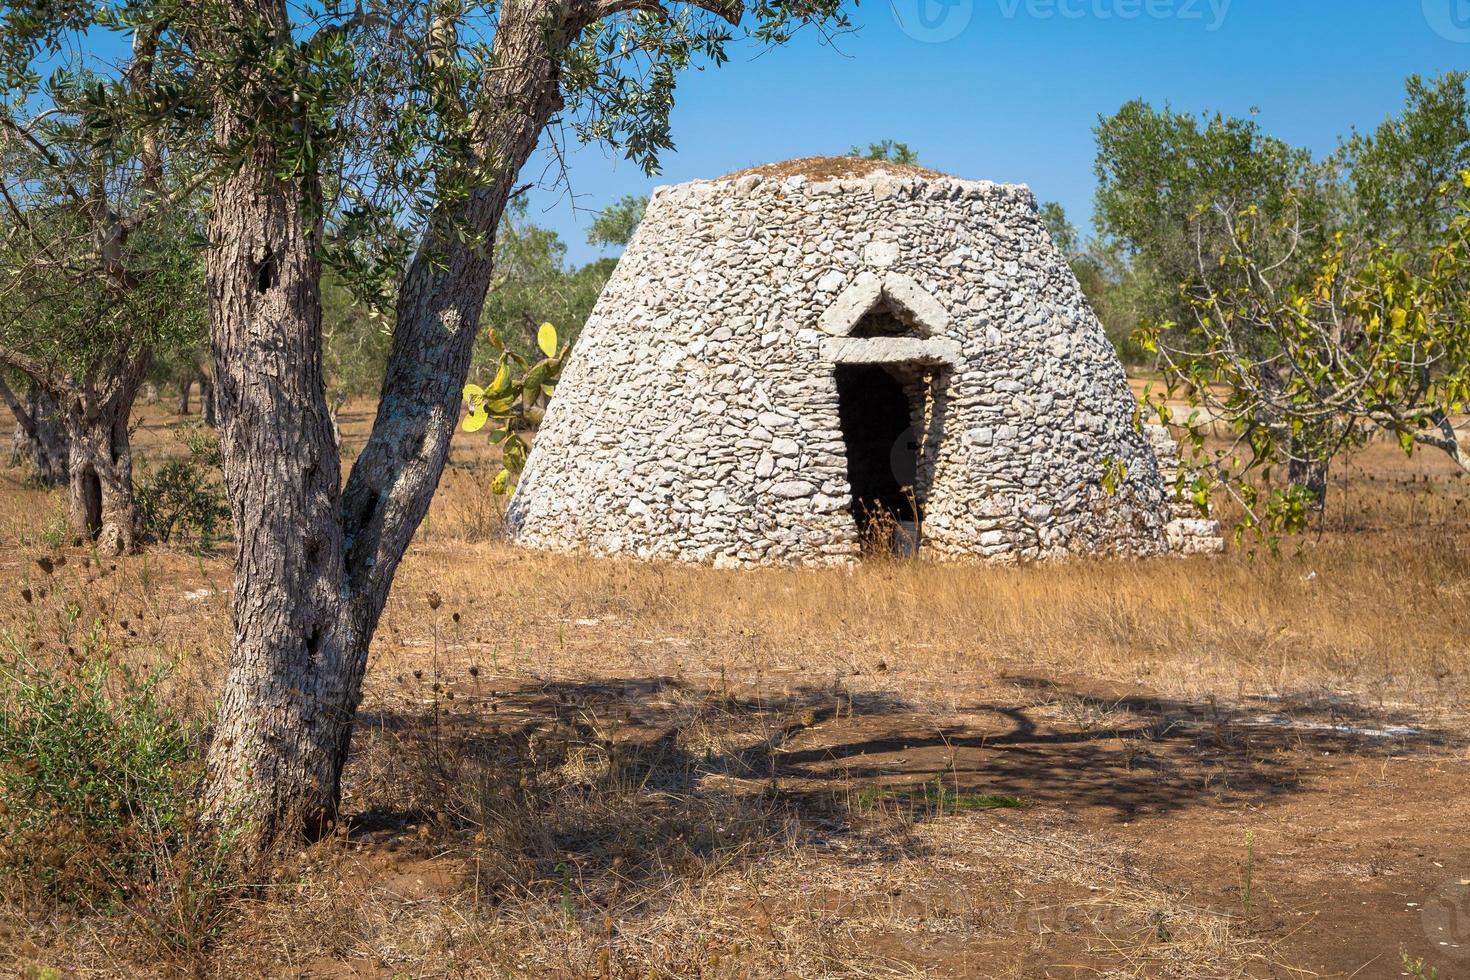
(40, 434)
(100, 461)
(93, 411)
(1311, 475)
(314, 567)
(285, 690)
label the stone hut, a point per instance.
(810, 361)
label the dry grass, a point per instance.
(582, 768)
(834, 168)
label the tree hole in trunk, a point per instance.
(89, 503)
(265, 274)
(877, 414)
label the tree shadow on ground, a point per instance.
(646, 775)
(1125, 755)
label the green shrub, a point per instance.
(182, 499)
(94, 769)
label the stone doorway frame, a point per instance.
(924, 362)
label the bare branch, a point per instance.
(34, 368)
(23, 418)
(46, 152)
(1446, 438)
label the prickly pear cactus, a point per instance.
(513, 403)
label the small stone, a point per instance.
(785, 447)
(831, 281)
(790, 489)
(880, 254)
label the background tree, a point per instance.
(1063, 233)
(184, 367)
(98, 243)
(383, 140)
(1160, 172)
(1396, 175)
(888, 151)
(355, 340)
(1166, 181)
(1319, 316)
(39, 442)
(1115, 287)
(616, 223)
(1374, 343)
(534, 285)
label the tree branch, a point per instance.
(45, 151)
(730, 11)
(22, 418)
(34, 368)
(1447, 440)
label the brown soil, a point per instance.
(1231, 767)
(834, 168)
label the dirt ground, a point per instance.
(1217, 767)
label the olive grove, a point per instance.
(384, 142)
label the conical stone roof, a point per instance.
(734, 396)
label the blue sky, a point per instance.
(1014, 94)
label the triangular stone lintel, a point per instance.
(911, 302)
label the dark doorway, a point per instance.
(877, 420)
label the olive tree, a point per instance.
(383, 140)
(534, 285)
(1314, 313)
(98, 243)
(1372, 343)
(39, 441)
(615, 224)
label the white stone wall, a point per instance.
(697, 419)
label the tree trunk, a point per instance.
(206, 400)
(100, 485)
(1311, 475)
(100, 472)
(313, 567)
(185, 387)
(40, 434)
(287, 698)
